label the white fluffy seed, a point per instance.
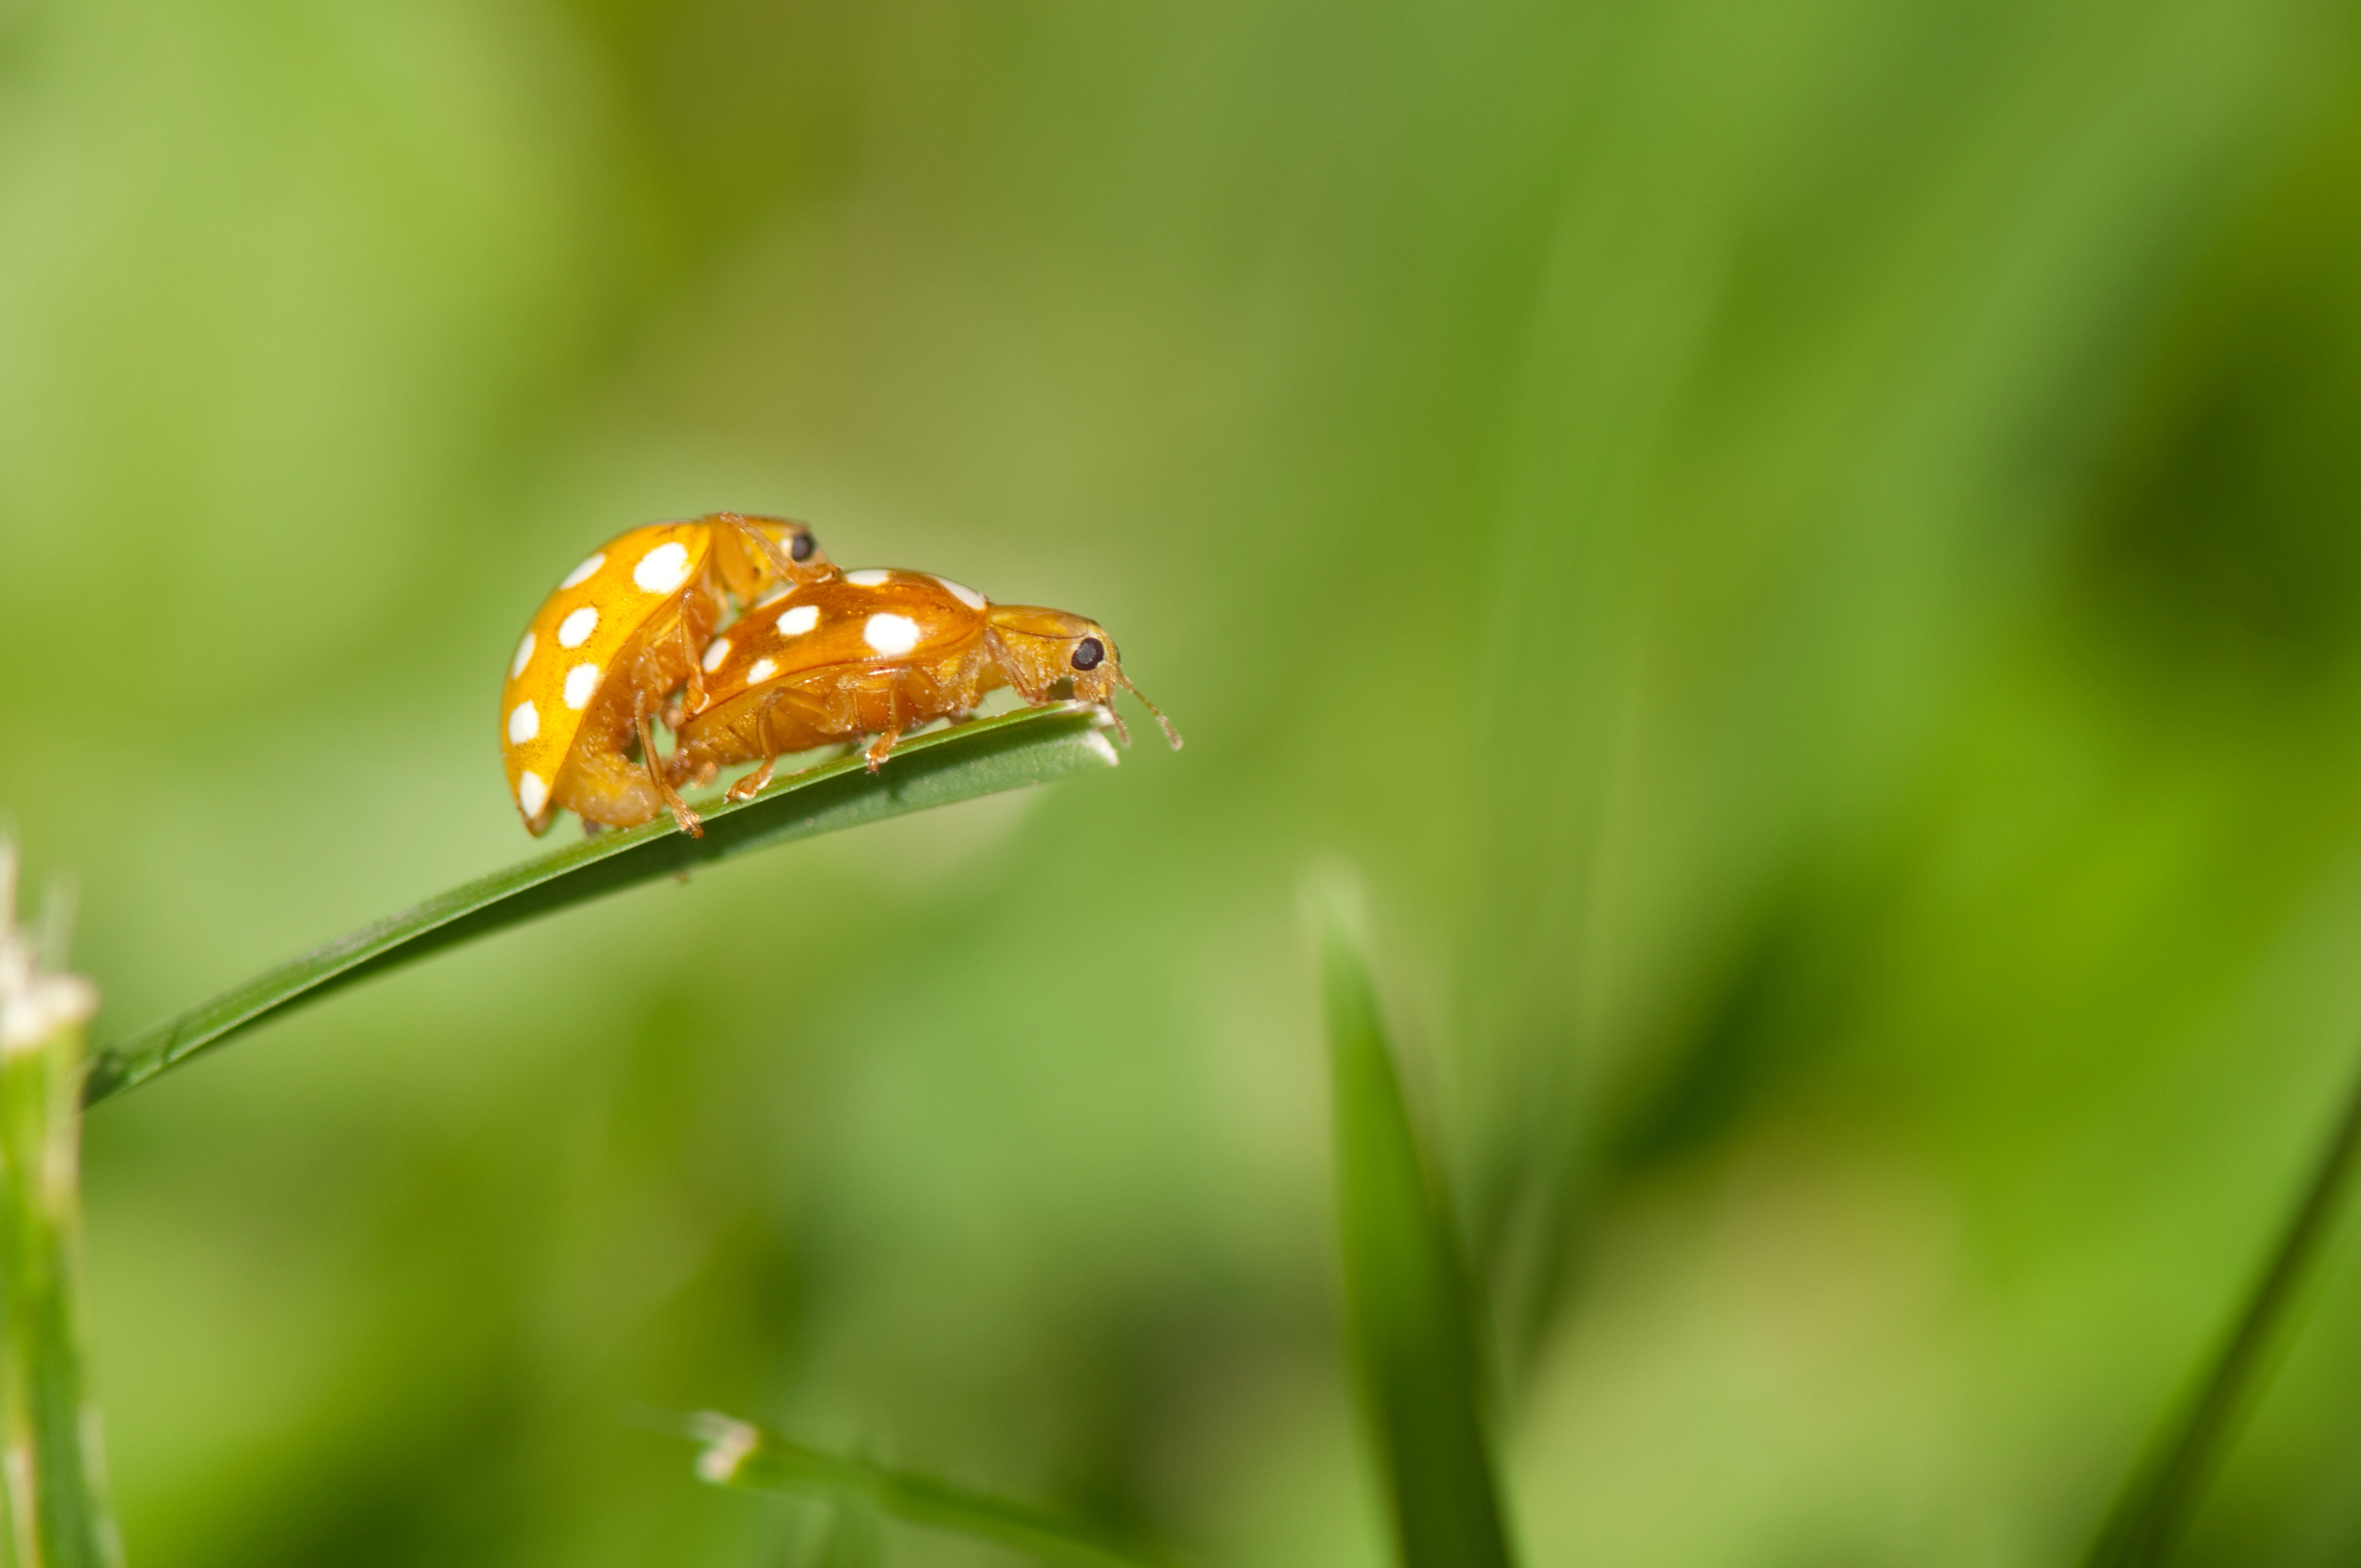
(576, 629)
(893, 635)
(798, 621)
(582, 574)
(581, 683)
(664, 568)
(532, 793)
(523, 657)
(524, 723)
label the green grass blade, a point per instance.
(1409, 1314)
(739, 1455)
(53, 1507)
(2149, 1517)
(854, 1540)
(1026, 748)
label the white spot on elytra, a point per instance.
(532, 793)
(870, 578)
(798, 621)
(524, 657)
(891, 634)
(524, 723)
(762, 671)
(582, 574)
(961, 592)
(581, 682)
(576, 629)
(664, 568)
(715, 651)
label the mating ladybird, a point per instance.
(619, 633)
(877, 652)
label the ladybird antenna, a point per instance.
(1169, 733)
(769, 549)
(1122, 733)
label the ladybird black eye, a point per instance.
(1089, 652)
(801, 548)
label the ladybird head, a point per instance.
(760, 555)
(1046, 646)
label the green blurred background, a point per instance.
(1810, 552)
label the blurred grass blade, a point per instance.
(1407, 1301)
(853, 1539)
(53, 1508)
(2148, 1518)
(1026, 748)
(740, 1454)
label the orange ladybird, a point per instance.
(878, 652)
(617, 635)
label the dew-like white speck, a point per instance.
(523, 657)
(524, 723)
(582, 574)
(581, 683)
(890, 634)
(869, 578)
(576, 629)
(532, 793)
(763, 670)
(798, 621)
(726, 1449)
(664, 568)
(961, 592)
(715, 651)
(1096, 738)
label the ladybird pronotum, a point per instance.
(619, 633)
(878, 654)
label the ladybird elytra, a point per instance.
(619, 632)
(876, 653)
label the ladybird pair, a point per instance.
(815, 656)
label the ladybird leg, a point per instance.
(882, 747)
(758, 781)
(998, 669)
(753, 783)
(693, 658)
(689, 822)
